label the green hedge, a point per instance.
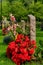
(38, 34)
(38, 24)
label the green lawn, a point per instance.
(5, 61)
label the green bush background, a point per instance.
(21, 8)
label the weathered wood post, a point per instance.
(23, 25)
(32, 21)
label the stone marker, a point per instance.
(32, 21)
(23, 25)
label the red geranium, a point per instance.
(31, 51)
(21, 49)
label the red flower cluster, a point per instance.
(21, 50)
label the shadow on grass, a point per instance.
(0, 33)
(3, 56)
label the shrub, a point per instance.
(38, 24)
(19, 11)
(19, 30)
(21, 50)
(37, 10)
(41, 26)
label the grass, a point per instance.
(5, 61)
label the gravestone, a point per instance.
(32, 22)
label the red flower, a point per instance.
(17, 41)
(16, 50)
(31, 51)
(33, 42)
(28, 58)
(21, 50)
(24, 44)
(20, 36)
(12, 46)
(27, 39)
(34, 46)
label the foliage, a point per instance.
(37, 10)
(41, 26)
(19, 30)
(19, 10)
(5, 8)
(38, 24)
(27, 2)
(27, 30)
(10, 1)
(39, 50)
